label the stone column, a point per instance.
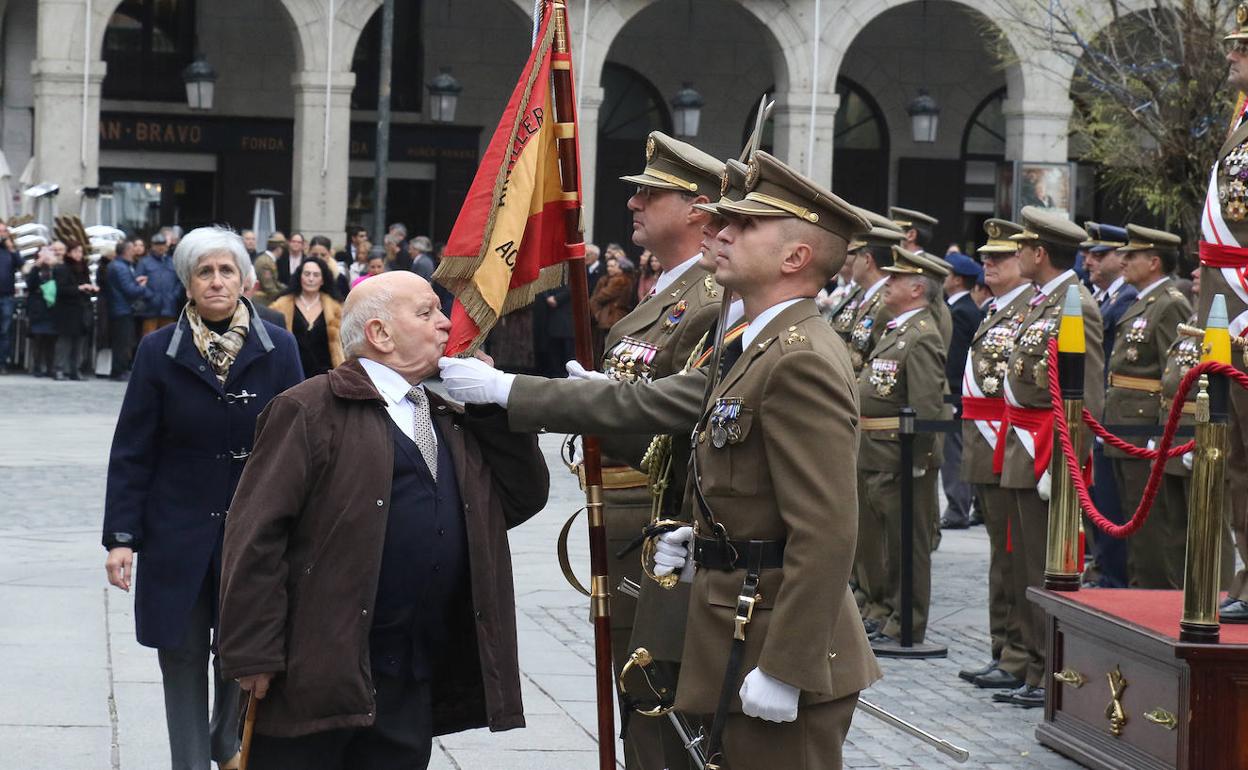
(319, 190)
(1036, 129)
(792, 132)
(587, 119)
(61, 155)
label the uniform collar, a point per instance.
(735, 312)
(869, 293)
(1005, 299)
(669, 277)
(1110, 290)
(901, 319)
(1050, 287)
(764, 318)
(1149, 288)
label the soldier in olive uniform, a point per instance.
(1145, 332)
(983, 415)
(906, 368)
(1046, 251)
(775, 522)
(1184, 353)
(859, 323)
(1224, 235)
(919, 228)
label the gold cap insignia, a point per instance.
(992, 229)
(649, 149)
(1241, 15)
(751, 175)
(724, 184)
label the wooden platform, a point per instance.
(1195, 696)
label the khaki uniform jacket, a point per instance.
(794, 382)
(869, 319)
(988, 364)
(907, 367)
(661, 321)
(1143, 336)
(844, 313)
(1028, 376)
(1184, 353)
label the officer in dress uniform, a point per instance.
(771, 614)
(1107, 566)
(1224, 235)
(964, 273)
(859, 322)
(1184, 353)
(1046, 251)
(1145, 332)
(919, 229)
(906, 368)
(983, 415)
(614, 408)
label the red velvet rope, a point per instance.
(1163, 449)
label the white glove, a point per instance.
(1152, 443)
(766, 697)
(1044, 487)
(473, 381)
(918, 472)
(578, 372)
(671, 554)
(1187, 458)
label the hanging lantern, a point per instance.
(200, 79)
(444, 93)
(924, 117)
(687, 111)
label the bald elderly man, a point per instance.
(366, 598)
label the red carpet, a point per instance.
(1157, 611)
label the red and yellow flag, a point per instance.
(510, 240)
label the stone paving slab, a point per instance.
(69, 649)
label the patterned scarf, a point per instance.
(220, 350)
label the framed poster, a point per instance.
(1050, 186)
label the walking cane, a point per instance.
(249, 727)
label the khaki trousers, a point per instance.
(1004, 614)
(814, 741)
(870, 562)
(651, 743)
(882, 504)
(1029, 524)
(1155, 552)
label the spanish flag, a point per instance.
(511, 239)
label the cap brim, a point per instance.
(645, 180)
(1236, 36)
(986, 249)
(1025, 235)
(894, 269)
(751, 208)
(710, 208)
(855, 246)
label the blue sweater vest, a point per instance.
(424, 563)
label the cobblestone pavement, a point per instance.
(81, 693)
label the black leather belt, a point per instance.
(730, 555)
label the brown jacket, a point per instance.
(612, 299)
(332, 309)
(794, 382)
(302, 554)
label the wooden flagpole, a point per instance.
(578, 285)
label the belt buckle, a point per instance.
(745, 613)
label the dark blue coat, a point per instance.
(163, 283)
(123, 289)
(178, 452)
(1112, 308)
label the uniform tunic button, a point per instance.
(380, 503)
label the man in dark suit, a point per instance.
(1113, 295)
(553, 332)
(964, 274)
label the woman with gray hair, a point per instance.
(183, 436)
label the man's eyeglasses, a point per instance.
(1238, 47)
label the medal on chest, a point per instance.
(725, 425)
(630, 360)
(674, 314)
(845, 318)
(861, 334)
(1038, 333)
(884, 376)
(1233, 192)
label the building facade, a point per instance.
(92, 94)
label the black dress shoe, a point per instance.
(947, 522)
(1007, 696)
(969, 675)
(1235, 612)
(997, 679)
(870, 626)
(976, 519)
(1029, 698)
(1226, 602)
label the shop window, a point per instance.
(146, 46)
(407, 86)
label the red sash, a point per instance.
(992, 410)
(1217, 256)
(1037, 422)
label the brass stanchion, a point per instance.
(1205, 504)
(1061, 564)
